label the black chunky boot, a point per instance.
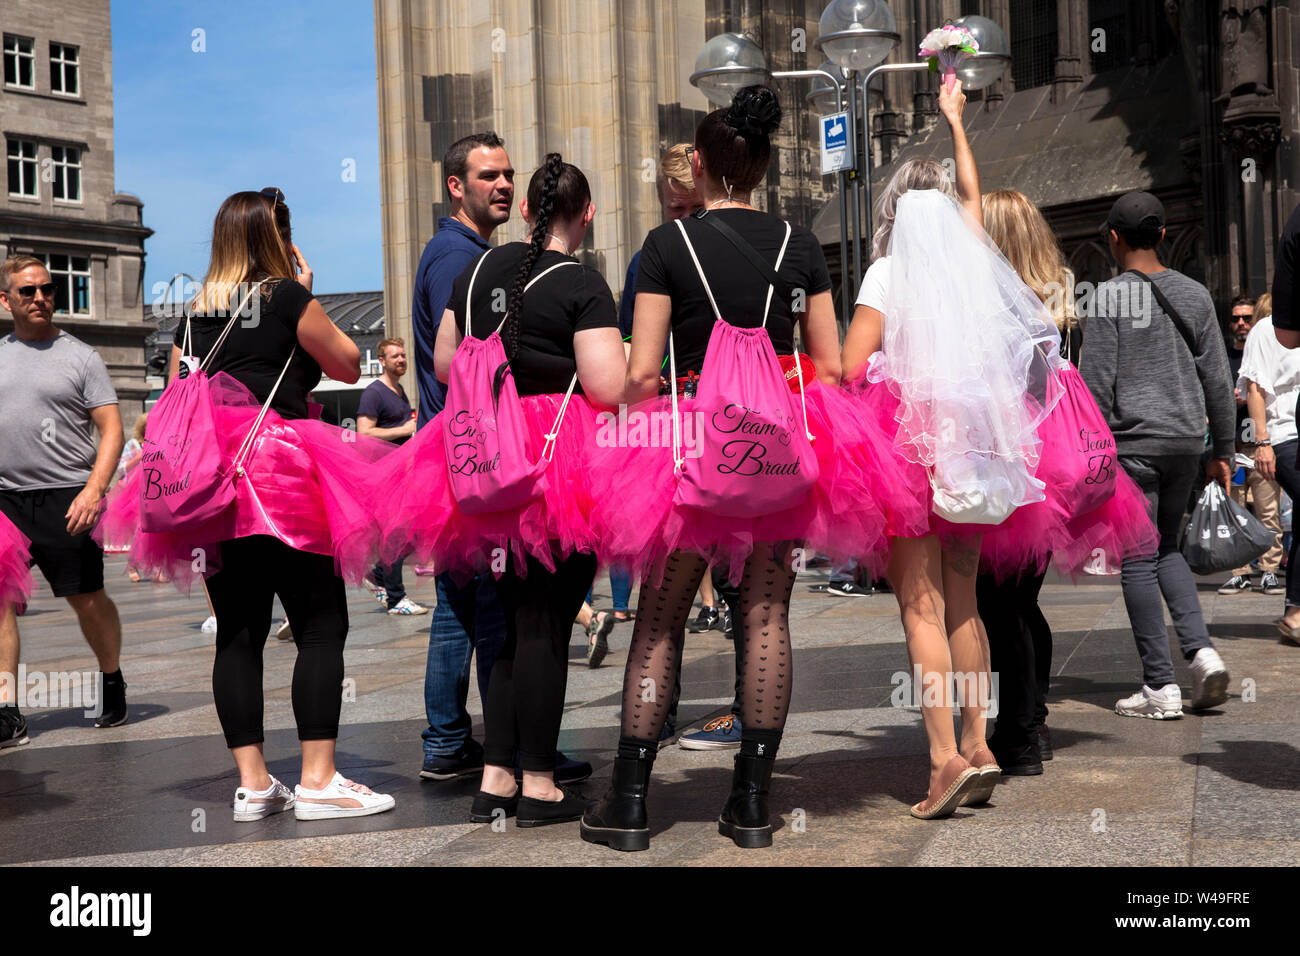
(619, 820)
(744, 817)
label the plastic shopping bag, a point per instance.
(1222, 535)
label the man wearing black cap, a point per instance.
(1156, 363)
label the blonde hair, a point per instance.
(14, 265)
(1264, 307)
(913, 174)
(138, 431)
(1017, 227)
(675, 167)
(246, 246)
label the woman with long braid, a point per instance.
(562, 348)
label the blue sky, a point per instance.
(282, 96)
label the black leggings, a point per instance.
(526, 691)
(253, 571)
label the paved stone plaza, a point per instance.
(1214, 789)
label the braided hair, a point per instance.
(557, 192)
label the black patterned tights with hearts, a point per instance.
(764, 626)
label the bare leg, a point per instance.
(252, 767)
(317, 763)
(8, 654)
(916, 576)
(967, 641)
(707, 596)
(99, 622)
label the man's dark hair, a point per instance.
(1243, 300)
(1147, 237)
(456, 160)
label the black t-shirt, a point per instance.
(569, 300)
(254, 354)
(1286, 297)
(389, 409)
(738, 287)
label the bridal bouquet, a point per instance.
(947, 46)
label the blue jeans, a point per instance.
(620, 585)
(467, 621)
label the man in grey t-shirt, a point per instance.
(53, 389)
(1157, 378)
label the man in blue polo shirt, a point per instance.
(466, 620)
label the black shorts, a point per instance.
(72, 564)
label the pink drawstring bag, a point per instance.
(185, 480)
(486, 436)
(1078, 462)
(755, 452)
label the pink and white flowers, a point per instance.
(946, 47)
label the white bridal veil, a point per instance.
(972, 354)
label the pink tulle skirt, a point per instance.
(415, 513)
(1096, 542)
(638, 525)
(15, 565)
(302, 481)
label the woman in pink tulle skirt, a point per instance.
(728, 318)
(947, 355)
(1081, 527)
(265, 342)
(498, 482)
(15, 566)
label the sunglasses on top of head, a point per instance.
(29, 291)
(274, 194)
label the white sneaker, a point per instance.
(342, 798)
(379, 593)
(407, 606)
(1209, 679)
(254, 804)
(1163, 704)
(210, 625)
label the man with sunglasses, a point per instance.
(53, 389)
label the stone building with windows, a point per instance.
(605, 84)
(1193, 100)
(56, 119)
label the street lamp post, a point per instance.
(856, 35)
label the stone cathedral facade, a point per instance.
(1194, 100)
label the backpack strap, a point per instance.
(469, 292)
(771, 288)
(225, 333)
(532, 282)
(549, 448)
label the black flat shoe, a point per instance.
(541, 813)
(1044, 743)
(486, 805)
(1019, 761)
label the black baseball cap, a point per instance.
(1134, 211)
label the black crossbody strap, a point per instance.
(1169, 310)
(745, 249)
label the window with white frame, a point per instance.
(20, 61)
(22, 168)
(65, 162)
(64, 76)
(71, 276)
